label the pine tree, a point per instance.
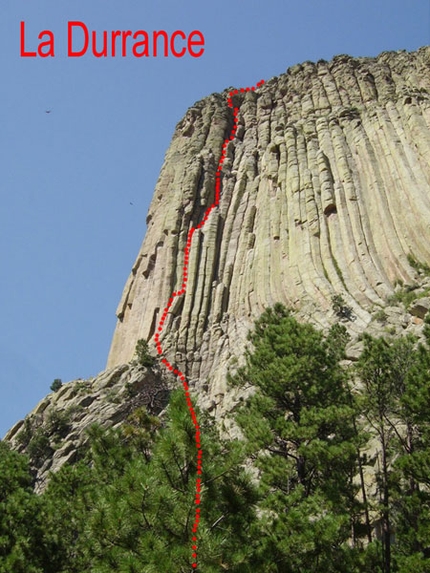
(21, 531)
(299, 429)
(121, 510)
(395, 396)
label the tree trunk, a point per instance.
(386, 525)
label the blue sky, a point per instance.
(68, 234)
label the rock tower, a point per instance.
(325, 190)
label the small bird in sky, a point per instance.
(131, 203)
(48, 110)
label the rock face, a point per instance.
(54, 433)
(325, 191)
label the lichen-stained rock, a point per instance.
(325, 190)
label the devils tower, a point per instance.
(325, 191)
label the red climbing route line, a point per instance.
(180, 292)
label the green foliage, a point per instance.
(56, 385)
(140, 429)
(80, 387)
(395, 398)
(406, 295)
(390, 330)
(419, 267)
(325, 273)
(58, 423)
(39, 440)
(39, 448)
(341, 309)
(147, 522)
(128, 504)
(380, 316)
(426, 329)
(336, 342)
(21, 526)
(24, 436)
(113, 396)
(339, 272)
(299, 429)
(142, 354)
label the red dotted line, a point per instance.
(180, 292)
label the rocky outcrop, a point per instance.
(325, 191)
(54, 433)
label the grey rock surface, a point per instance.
(54, 433)
(325, 190)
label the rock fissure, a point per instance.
(201, 297)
